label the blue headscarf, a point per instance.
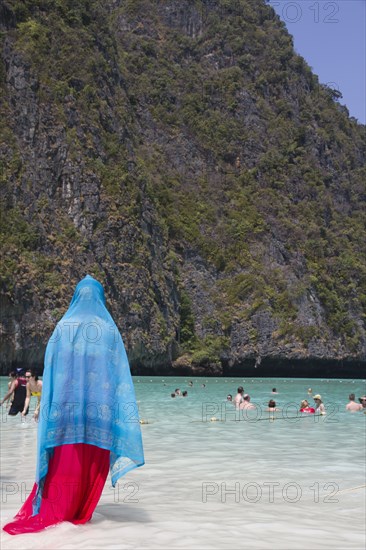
(88, 394)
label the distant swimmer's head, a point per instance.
(229, 397)
(304, 404)
(246, 397)
(271, 404)
(240, 389)
(351, 397)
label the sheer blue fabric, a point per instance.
(88, 394)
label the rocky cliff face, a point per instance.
(185, 156)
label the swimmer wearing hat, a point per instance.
(319, 405)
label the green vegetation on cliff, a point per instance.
(184, 154)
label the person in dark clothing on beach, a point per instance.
(9, 399)
(19, 387)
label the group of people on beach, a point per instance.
(22, 386)
(242, 401)
(179, 393)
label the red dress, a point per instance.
(74, 484)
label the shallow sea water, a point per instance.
(241, 481)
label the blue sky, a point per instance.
(331, 36)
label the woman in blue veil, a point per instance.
(88, 423)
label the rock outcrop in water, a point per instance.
(184, 155)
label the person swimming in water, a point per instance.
(319, 405)
(305, 407)
(352, 405)
(272, 406)
(246, 404)
(362, 401)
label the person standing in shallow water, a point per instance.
(246, 404)
(12, 377)
(34, 388)
(18, 388)
(305, 407)
(272, 406)
(362, 401)
(319, 405)
(352, 405)
(88, 422)
(239, 399)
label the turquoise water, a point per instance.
(287, 483)
(156, 404)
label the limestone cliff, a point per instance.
(184, 155)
